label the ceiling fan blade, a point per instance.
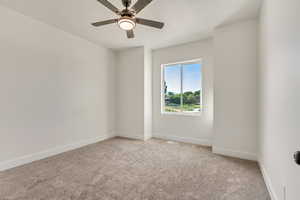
(130, 34)
(140, 5)
(108, 5)
(101, 23)
(151, 23)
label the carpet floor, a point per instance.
(123, 169)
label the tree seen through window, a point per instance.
(182, 88)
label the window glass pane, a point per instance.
(192, 88)
(172, 88)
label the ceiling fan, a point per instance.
(128, 20)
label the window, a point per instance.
(182, 88)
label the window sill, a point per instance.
(198, 114)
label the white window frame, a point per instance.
(162, 92)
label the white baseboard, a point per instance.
(268, 182)
(233, 153)
(131, 136)
(50, 152)
(203, 142)
(147, 137)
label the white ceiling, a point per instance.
(185, 20)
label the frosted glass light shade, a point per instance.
(126, 23)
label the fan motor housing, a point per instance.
(127, 13)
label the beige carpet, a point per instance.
(122, 169)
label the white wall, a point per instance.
(235, 77)
(56, 89)
(130, 93)
(279, 96)
(185, 128)
(147, 93)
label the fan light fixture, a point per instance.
(126, 23)
(127, 19)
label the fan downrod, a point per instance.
(126, 3)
